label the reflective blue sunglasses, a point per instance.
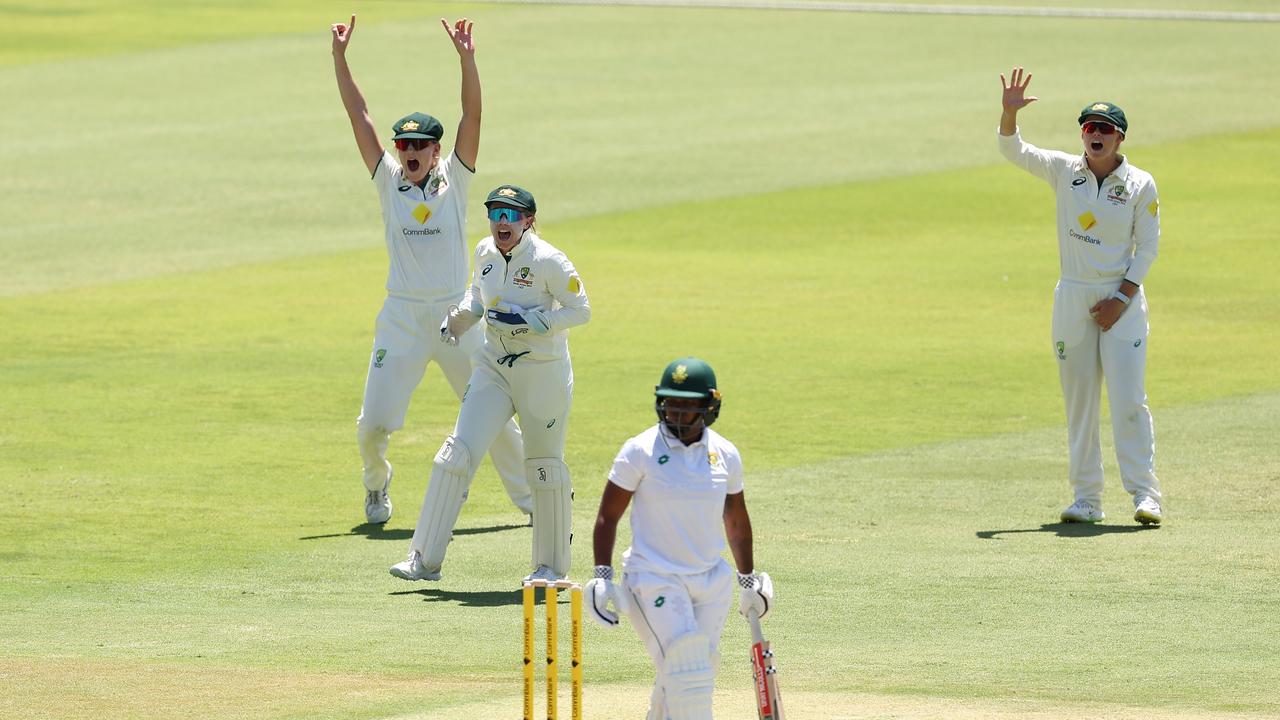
(508, 215)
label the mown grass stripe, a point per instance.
(912, 9)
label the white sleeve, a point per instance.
(565, 285)
(625, 473)
(1146, 233)
(733, 462)
(1044, 164)
(471, 298)
(388, 175)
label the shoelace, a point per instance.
(510, 359)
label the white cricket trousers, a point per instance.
(406, 338)
(1086, 357)
(540, 393)
(665, 607)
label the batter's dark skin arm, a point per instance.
(737, 530)
(613, 504)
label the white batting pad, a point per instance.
(689, 678)
(552, 512)
(446, 491)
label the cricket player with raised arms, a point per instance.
(1108, 234)
(529, 294)
(684, 484)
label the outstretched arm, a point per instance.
(1013, 99)
(352, 100)
(467, 144)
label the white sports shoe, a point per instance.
(544, 573)
(1147, 511)
(413, 569)
(377, 503)
(1082, 512)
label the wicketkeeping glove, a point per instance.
(756, 593)
(456, 323)
(600, 592)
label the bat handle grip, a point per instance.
(753, 619)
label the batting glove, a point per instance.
(756, 593)
(601, 591)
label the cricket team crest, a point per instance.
(378, 357)
(680, 375)
(409, 126)
(522, 277)
(1118, 195)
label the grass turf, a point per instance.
(183, 361)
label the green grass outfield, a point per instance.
(813, 202)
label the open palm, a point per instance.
(1015, 90)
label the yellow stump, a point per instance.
(552, 599)
(575, 606)
(528, 598)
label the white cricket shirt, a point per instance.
(537, 277)
(677, 512)
(426, 229)
(1105, 234)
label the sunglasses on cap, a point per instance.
(1097, 126)
(413, 143)
(507, 215)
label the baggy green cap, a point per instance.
(1110, 111)
(417, 126)
(514, 196)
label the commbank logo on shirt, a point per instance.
(421, 213)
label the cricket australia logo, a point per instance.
(1117, 195)
(522, 276)
(1062, 350)
(378, 356)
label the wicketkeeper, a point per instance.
(685, 480)
(529, 295)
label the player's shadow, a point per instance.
(1069, 530)
(380, 532)
(483, 598)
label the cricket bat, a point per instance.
(768, 703)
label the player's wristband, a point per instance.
(1121, 297)
(747, 580)
(604, 571)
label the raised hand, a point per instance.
(342, 35)
(1015, 89)
(460, 33)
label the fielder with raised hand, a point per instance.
(529, 295)
(685, 480)
(424, 211)
(1108, 233)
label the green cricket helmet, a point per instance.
(688, 378)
